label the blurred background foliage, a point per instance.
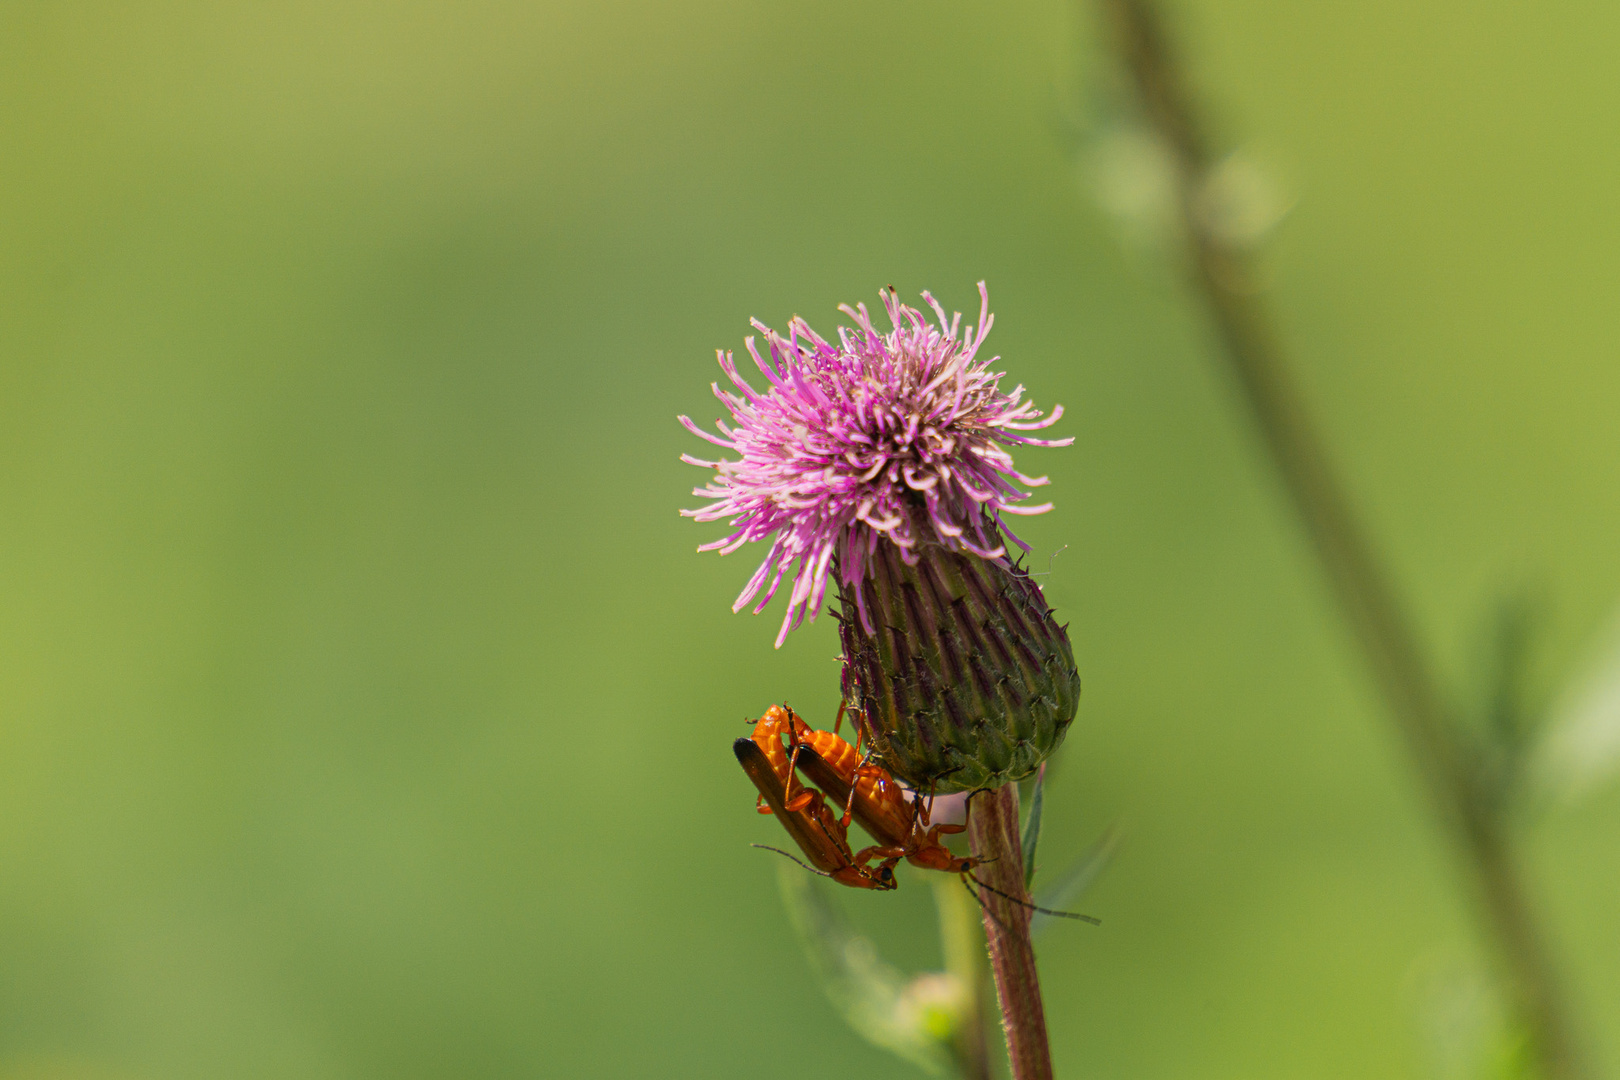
(364, 708)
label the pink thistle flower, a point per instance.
(899, 438)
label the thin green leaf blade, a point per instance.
(916, 1019)
(1032, 825)
(1073, 882)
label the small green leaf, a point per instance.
(917, 1019)
(1511, 633)
(1073, 882)
(1032, 825)
(1496, 745)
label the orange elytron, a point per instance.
(812, 825)
(878, 802)
(873, 787)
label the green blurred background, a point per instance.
(364, 707)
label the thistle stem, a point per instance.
(993, 829)
(1428, 729)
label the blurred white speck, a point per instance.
(1134, 176)
(1459, 1011)
(1242, 201)
(1581, 746)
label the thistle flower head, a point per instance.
(898, 437)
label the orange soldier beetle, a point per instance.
(812, 825)
(900, 826)
(868, 792)
(769, 730)
(878, 802)
(873, 787)
(877, 788)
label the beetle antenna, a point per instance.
(785, 855)
(1033, 907)
(977, 899)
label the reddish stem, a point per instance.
(993, 829)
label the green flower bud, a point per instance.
(966, 680)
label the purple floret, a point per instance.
(901, 436)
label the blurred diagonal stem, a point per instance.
(1429, 730)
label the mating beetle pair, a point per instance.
(783, 745)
